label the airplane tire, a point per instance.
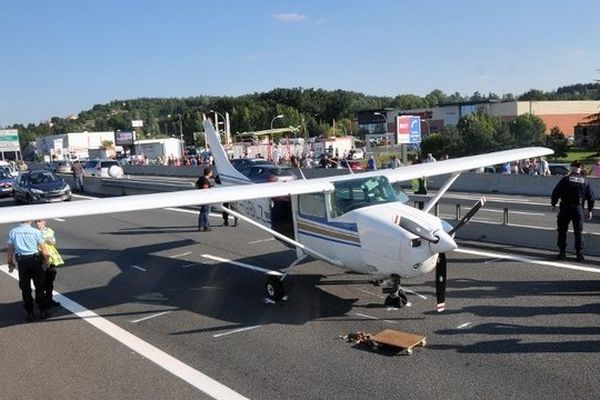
(274, 288)
(396, 301)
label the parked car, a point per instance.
(103, 168)
(41, 186)
(7, 181)
(354, 165)
(268, 173)
(243, 163)
(559, 169)
(61, 167)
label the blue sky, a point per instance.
(63, 56)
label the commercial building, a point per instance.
(72, 145)
(563, 114)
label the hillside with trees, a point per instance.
(315, 111)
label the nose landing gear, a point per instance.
(396, 297)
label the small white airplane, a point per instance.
(357, 222)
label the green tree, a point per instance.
(447, 142)
(527, 130)
(480, 133)
(558, 142)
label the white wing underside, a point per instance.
(255, 191)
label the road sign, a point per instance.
(9, 140)
(408, 129)
(415, 130)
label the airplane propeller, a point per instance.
(442, 242)
(469, 215)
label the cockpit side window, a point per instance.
(358, 193)
(312, 205)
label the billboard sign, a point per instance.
(9, 140)
(408, 129)
(124, 138)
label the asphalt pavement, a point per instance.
(158, 310)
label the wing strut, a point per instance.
(284, 238)
(442, 191)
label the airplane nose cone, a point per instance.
(445, 244)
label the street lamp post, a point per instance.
(386, 127)
(225, 127)
(279, 116)
(181, 137)
(273, 120)
(428, 126)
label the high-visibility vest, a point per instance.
(54, 258)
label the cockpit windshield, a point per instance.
(358, 193)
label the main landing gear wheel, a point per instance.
(274, 288)
(398, 301)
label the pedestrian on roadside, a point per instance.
(573, 191)
(394, 162)
(372, 163)
(595, 170)
(54, 261)
(543, 167)
(26, 245)
(203, 183)
(78, 174)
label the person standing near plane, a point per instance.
(204, 183)
(78, 174)
(26, 246)
(54, 261)
(573, 191)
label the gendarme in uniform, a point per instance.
(573, 191)
(24, 243)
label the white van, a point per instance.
(103, 168)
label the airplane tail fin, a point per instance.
(223, 166)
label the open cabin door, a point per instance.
(282, 220)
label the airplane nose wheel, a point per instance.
(274, 288)
(397, 298)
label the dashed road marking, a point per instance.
(218, 335)
(135, 321)
(138, 267)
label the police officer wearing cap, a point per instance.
(26, 246)
(573, 191)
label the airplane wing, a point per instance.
(161, 200)
(462, 164)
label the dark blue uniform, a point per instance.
(573, 191)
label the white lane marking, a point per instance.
(218, 335)
(138, 267)
(181, 255)
(135, 321)
(60, 219)
(241, 264)
(261, 240)
(493, 260)
(465, 325)
(372, 317)
(365, 316)
(190, 265)
(553, 264)
(416, 294)
(167, 362)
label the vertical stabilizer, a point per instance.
(223, 166)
